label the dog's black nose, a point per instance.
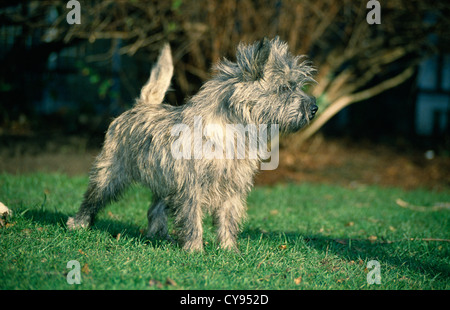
(314, 109)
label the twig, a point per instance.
(373, 239)
(344, 101)
(436, 207)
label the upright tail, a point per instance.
(154, 90)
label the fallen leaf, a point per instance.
(282, 247)
(10, 224)
(169, 281)
(85, 269)
(113, 216)
(156, 283)
(349, 224)
(118, 237)
(436, 207)
(373, 238)
(342, 280)
(81, 252)
(298, 280)
(274, 212)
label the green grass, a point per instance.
(306, 236)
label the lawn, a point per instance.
(297, 236)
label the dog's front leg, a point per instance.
(188, 222)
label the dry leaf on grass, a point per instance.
(171, 282)
(437, 206)
(156, 283)
(372, 238)
(343, 280)
(81, 252)
(113, 216)
(159, 284)
(85, 269)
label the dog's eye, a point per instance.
(284, 88)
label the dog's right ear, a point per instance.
(261, 56)
(262, 52)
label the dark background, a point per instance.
(61, 84)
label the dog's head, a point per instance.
(269, 85)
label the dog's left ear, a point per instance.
(252, 59)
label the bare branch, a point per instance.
(346, 100)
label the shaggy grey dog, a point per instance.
(264, 87)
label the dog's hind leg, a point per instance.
(106, 183)
(157, 219)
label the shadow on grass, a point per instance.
(396, 254)
(112, 227)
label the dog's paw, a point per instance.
(73, 224)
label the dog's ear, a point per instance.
(252, 59)
(260, 57)
(262, 54)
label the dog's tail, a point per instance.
(154, 90)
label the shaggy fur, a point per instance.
(263, 86)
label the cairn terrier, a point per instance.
(265, 86)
